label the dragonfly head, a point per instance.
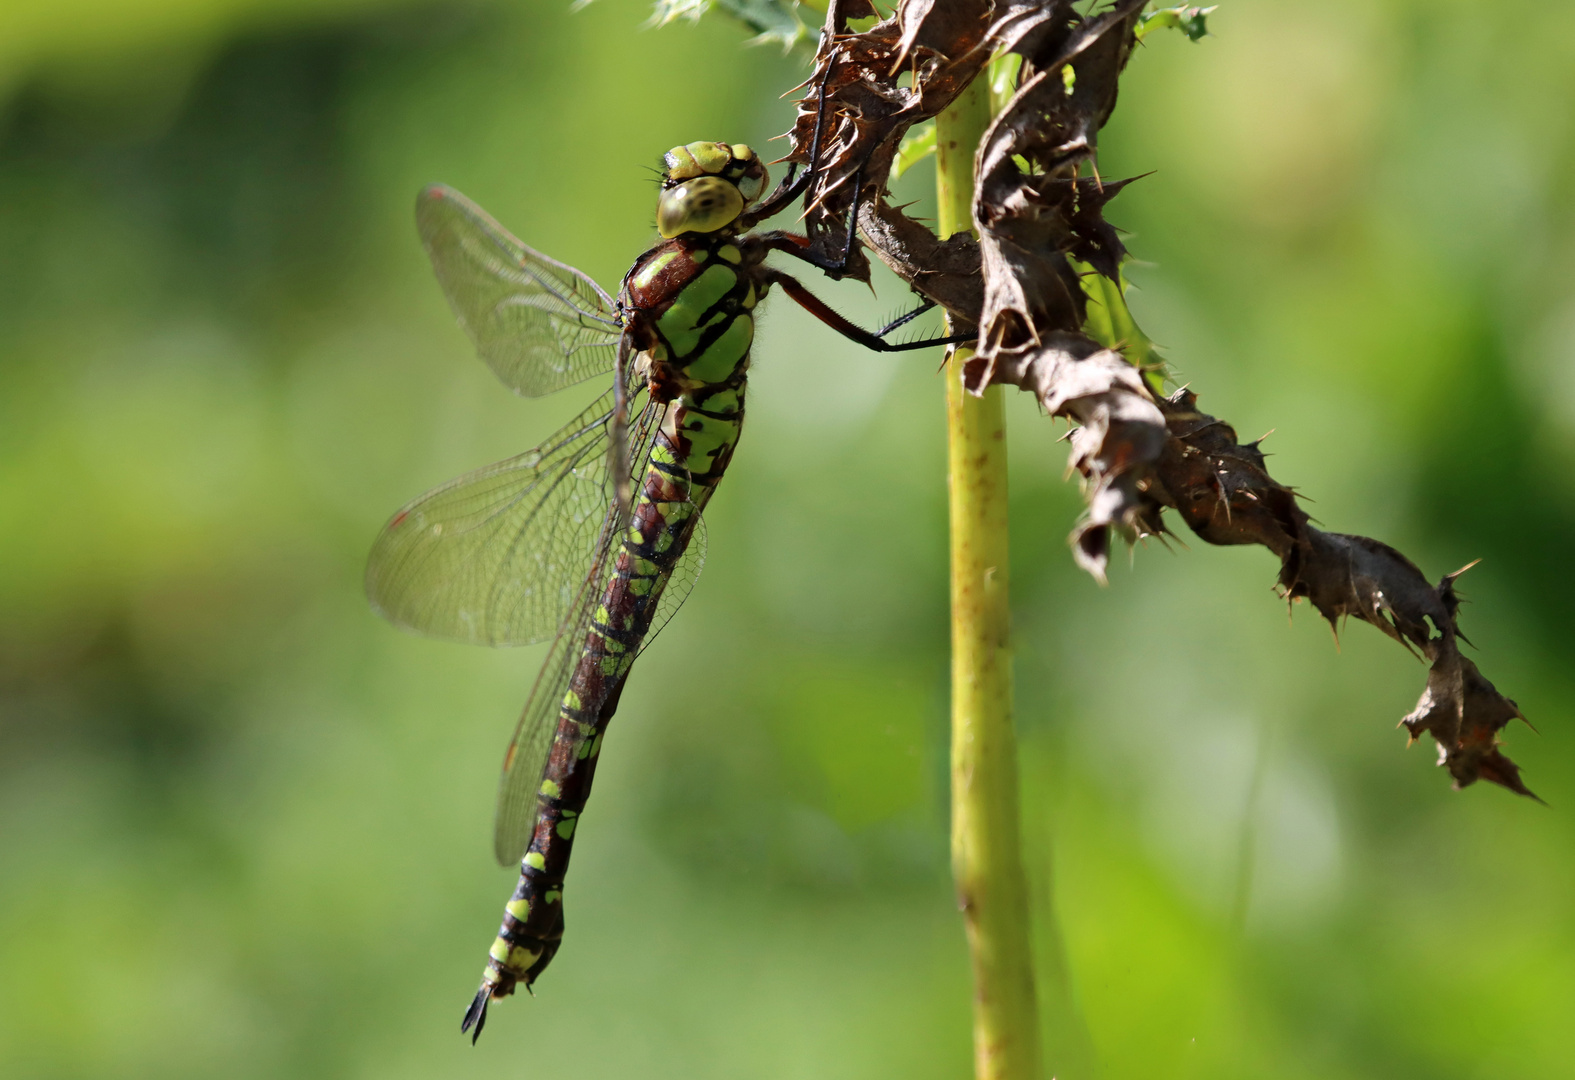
(706, 187)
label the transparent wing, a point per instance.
(527, 753)
(677, 591)
(498, 556)
(539, 324)
(533, 734)
(532, 742)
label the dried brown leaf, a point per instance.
(864, 109)
(1138, 453)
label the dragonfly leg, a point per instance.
(790, 189)
(901, 320)
(792, 185)
(851, 330)
(798, 246)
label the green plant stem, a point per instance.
(987, 864)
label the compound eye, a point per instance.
(704, 204)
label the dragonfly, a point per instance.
(593, 539)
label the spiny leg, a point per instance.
(795, 244)
(839, 267)
(903, 320)
(852, 331)
(793, 186)
(798, 246)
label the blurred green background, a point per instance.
(245, 825)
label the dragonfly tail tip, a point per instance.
(477, 1013)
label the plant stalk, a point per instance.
(987, 865)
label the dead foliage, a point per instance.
(1139, 452)
(867, 89)
(1222, 490)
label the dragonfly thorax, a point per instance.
(689, 303)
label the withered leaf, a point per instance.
(1138, 453)
(864, 110)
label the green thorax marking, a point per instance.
(690, 301)
(698, 307)
(646, 276)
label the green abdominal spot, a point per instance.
(515, 958)
(707, 437)
(725, 403)
(612, 667)
(674, 513)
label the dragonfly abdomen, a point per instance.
(690, 454)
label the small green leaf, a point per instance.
(1003, 79)
(1192, 21)
(670, 11)
(773, 21)
(917, 144)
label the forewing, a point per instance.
(539, 324)
(533, 735)
(498, 556)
